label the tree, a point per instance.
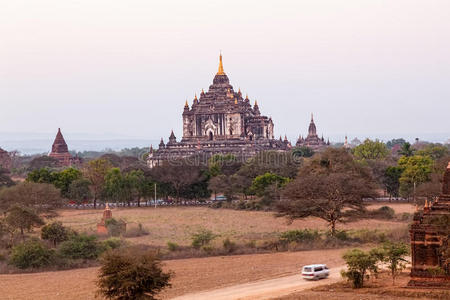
(22, 218)
(5, 180)
(303, 152)
(96, 171)
(79, 190)
(41, 197)
(390, 144)
(329, 187)
(393, 254)
(269, 185)
(64, 179)
(416, 170)
(43, 162)
(54, 232)
(129, 275)
(31, 254)
(391, 180)
(371, 150)
(228, 185)
(358, 264)
(406, 150)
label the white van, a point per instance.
(315, 272)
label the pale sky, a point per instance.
(125, 68)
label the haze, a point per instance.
(125, 68)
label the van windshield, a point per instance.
(307, 269)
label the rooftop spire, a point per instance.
(220, 71)
(312, 118)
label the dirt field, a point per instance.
(176, 224)
(192, 275)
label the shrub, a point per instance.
(31, 254)
(54, 232)
(229, 246)
(115, 228)
(208, 249)
(172, 246)
(384, 212)
(298, 236)
(136, 231)
(202, 238)
(81, 246)
(112, 243)
(128, 275)
(358, 264)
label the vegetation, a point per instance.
(202, 238)
(31, 254)
(359, 263)
(81, 246)
(128, 275)
(55, 232)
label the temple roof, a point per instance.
(59, 145)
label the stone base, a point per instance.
(430, 282)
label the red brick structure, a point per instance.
(101, 227)
(60, 151)
(429, 239)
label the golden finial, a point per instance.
(426, 203)
(235, 100)
(195, 96)
(246, 96)
(256, 103)
(186, 104)
(203, 91)
(239, 91)
(220, 72)
(107, 206)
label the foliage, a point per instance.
(42, 197)
(229, 185)
(22, 218)
(115, 227)
(79, 190)
(95, 172)
(43, 162)
(263, 185)
(406, 150)
(329, 187)
(223, 165)
(202, 238)
(303, 152)
(416, 170)
(126, 275)
(371, 150)
(229, 246)
(112, 243)
(55, 232)
(390, 144)
(31, 254)
(394, 255)
(282, 164)
(81, 246)
(299, 236)
(5, 180)
(391, 180)
(358, 264)
(173, 246)
(384, 212)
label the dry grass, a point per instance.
(176, 224)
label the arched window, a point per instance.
(211, 136)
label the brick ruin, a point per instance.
(430, 241)
(5, 160)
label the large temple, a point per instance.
(312, 140)
(60, 151)
(430, 245)
(221, 121)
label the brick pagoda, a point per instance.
(60, 151)
(430, 239)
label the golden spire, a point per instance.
(235, 100)
(246, 96)
(203, 91)
(186, 104)
(239, 91)
(195, 96)
(256, 103)
(220, 72)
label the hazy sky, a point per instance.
(125, 68)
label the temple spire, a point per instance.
(312, 118)
(220, 71)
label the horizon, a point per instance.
(363, 70)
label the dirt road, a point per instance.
(264, 289)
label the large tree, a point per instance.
(22, 218)
(41, 197)
(96, 171)
(329, 186)
(371, 150)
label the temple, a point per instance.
(430, 248)
(312, 140)
(60, 151)
(220, 121)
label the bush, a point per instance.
(128, 275)
(31, 254)
(298, 236)
(55, 232)
(202, 238)
(229, 246)
(384, 212)
(115, 228)
(358, 264)
(173, 246)
(136, 231)
(112, 243)
(81, 246)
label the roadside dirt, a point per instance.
(192, 275)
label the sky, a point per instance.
(123, 69)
